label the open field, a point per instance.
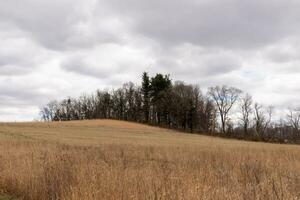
(106, 159)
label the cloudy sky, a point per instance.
(58, 48)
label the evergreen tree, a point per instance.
(159, 85)
(146, 87)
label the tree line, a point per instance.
(223, 110)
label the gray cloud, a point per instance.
(229, 23)
(60, 24)
(285, 52)
(186, 59)
(106, 61)
(18, 54)
(48, 21)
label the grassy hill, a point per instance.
(107, 159)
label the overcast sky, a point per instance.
(59, 48)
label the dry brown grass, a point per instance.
(105, 159)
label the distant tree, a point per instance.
(294, 119)
(187, 104)
(194, 107)
(138, 105)
(146, 89)
(119, 103)
(163, 106)
(103, 104)
(263, 118)
(159, 84)
(224, 98)
(207, 113)
(129, 98)
(246, 110)
(89, 107)
(48, 112)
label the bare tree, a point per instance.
(263, 118)
(224, 97)
(129, 98)
(246, 110)
(45, 114)
(294, 118)
(48, 112)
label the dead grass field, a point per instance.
(106, 159)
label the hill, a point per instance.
(108, 159)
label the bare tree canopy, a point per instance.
(224, 97)
(246, 111)
(294, 118)
(263, 117)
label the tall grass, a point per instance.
(39, 170)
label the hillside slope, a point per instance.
(108, 159)
(97, 132)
